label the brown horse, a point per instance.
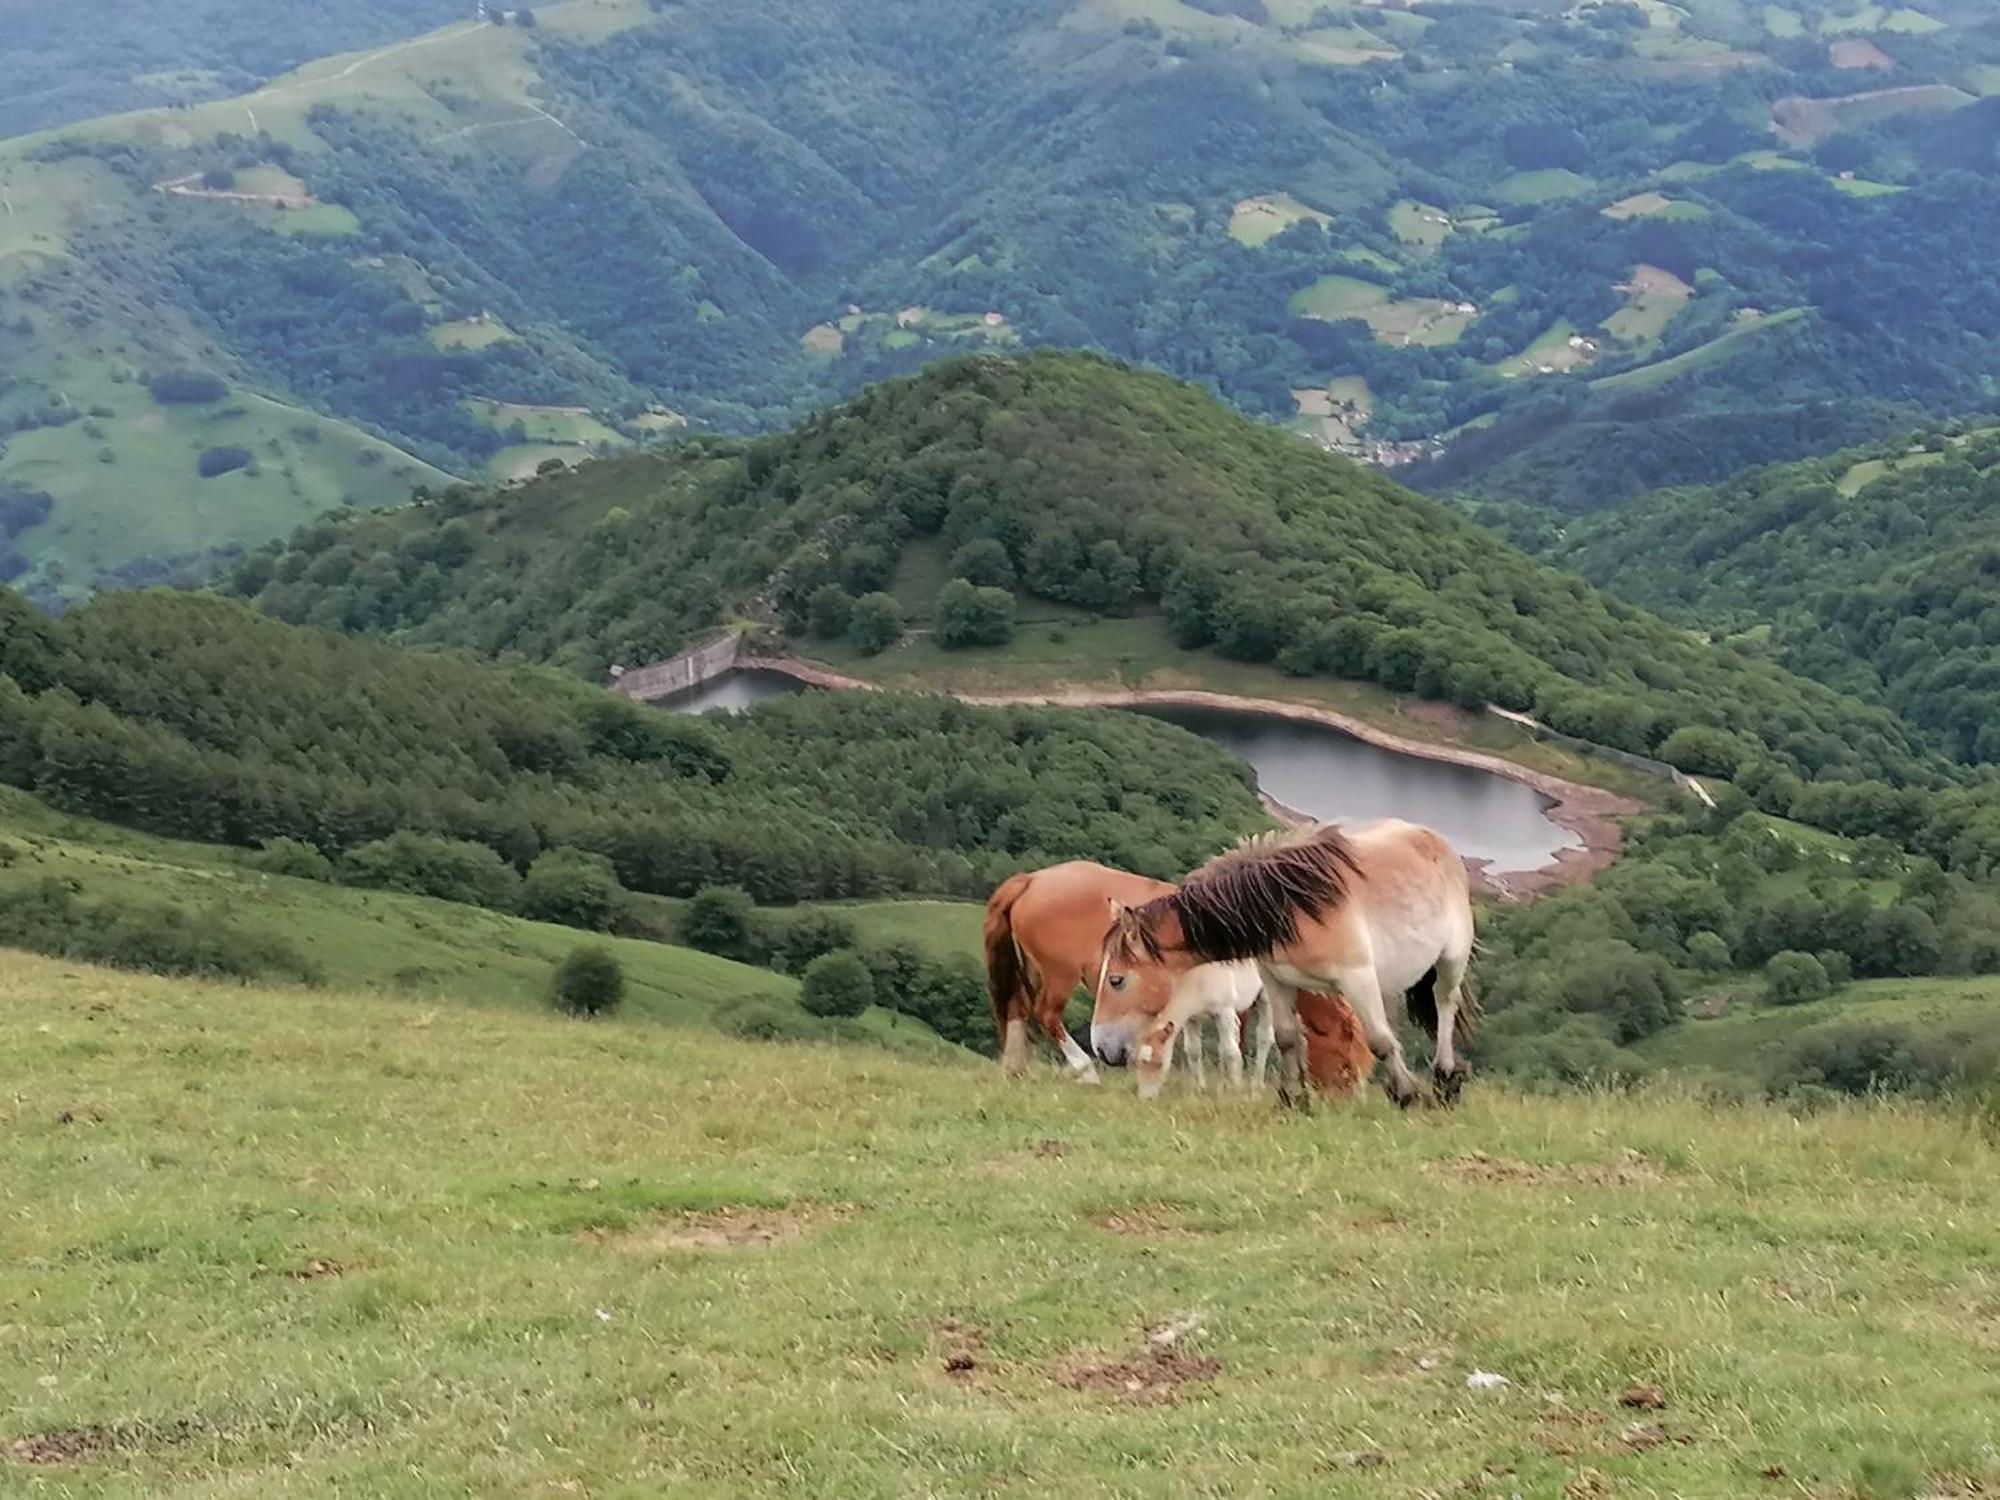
(1382, 914)
(1045, 930)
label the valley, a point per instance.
(429, 243)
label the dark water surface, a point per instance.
(1316, 770)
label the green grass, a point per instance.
(469, 333)
(147, 501)
(1418, 225)
(1744, 1042)
(1544, 186)
(1258, 221)
(546, 424)
(1421, 321)
(1550, 351)
(1861, 187)
(1868, 470)
(1783, 23)
(375, 940)
(283, 1244)
(1717, 350)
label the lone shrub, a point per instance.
(573, 887)
(1794, 978)
(215, 462)
(808, 935)
(968, 615)
(187, 386)
(425, 865)
(875, 623)
(721, 919)
(292, 857)
(590, 982)
(837, 984)
(1708, 952)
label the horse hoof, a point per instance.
(1447, 1083)
(1090, 1077)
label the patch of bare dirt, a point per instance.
(715, 1229)
(1154, 1380)
(1054, 1149)
(1143, 1221)
(75, 1445)
(1644, 1398)
(1630, 1171)
(963, 1350)
(66, 1446)
(316, 1269)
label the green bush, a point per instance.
(590, 982)
(426, 865)
(768, 1021)
(806, 936)
(837, 984)
(1707, 953)
(293, 857)
(573, 887)
(722, 919)
(875, 623)
(1794, 978)
(47, 917)
(829, 610)
(984, 561)
(1870, 1057)
(968, 615)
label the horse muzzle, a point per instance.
(1112, 1044)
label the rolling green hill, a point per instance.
(301, 1244)
(1872, 570)
(493, 245)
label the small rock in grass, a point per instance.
(1485, 1380)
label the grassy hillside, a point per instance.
(490, 245)
(303, 1244)
(363, 939)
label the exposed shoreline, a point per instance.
(1589, 812)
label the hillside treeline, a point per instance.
(197, 718)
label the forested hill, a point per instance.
(1080, 483)
(1587, 250)
(1876, 570)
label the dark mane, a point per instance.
(1248, 902)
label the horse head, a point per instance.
(1141, 959)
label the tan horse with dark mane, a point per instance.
(1381, 914)
(1045, 933)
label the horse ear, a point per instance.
(1118, 908)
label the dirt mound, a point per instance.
(716, 1229)
(1154, 1380)
(1630, 1171)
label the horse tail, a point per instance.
(1006, 973)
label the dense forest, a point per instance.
(1874, 570)
(1553, 257)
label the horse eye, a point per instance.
(1118, 981)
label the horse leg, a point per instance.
(1290, 1038)
(1363, 991)
(1197, 1061)
(1265, 1039)
(1049, 1011)
(1014, 1053)
(1448, 1070)
(1230, 1044)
